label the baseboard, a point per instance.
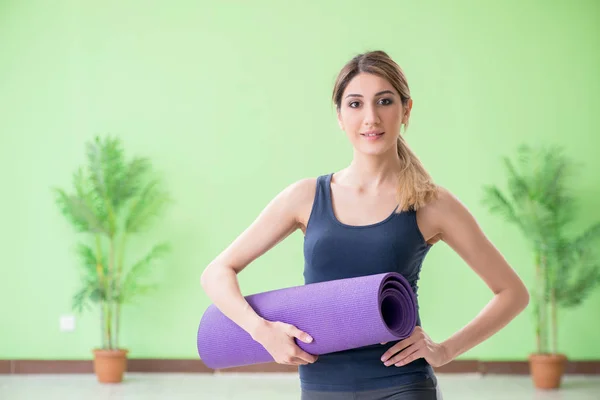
(86, 366)
(589, 367)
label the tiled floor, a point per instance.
(266, 387)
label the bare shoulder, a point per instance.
(301, 194)
(293, 202)
(445, 202)
(302, 189)
(447, 218)
(437, 217)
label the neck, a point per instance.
(373, 172)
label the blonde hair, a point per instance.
(415, 186)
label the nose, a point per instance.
(371, 117)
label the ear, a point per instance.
(339, 119)
(407, 110)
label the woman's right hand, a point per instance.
(278, 339)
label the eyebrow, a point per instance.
(376, 94)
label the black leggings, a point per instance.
(423, 390)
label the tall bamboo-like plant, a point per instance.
(540, 203)
(112, 200)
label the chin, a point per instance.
(376, 150)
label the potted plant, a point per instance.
(112, 200)
(567, 267)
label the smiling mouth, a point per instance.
(372, 134)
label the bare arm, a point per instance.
(277, 221)
(461, 232)
(448, 219)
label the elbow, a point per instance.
(213, 273)
(522, 297)
(205, 277)
(526, 296)
(516, 296)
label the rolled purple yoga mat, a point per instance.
(340, 315)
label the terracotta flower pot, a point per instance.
(110, 365)
(547, 370)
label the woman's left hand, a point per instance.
(417, 345)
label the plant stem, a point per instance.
(539, 306)
(103, 287)
(544, 303)
(112, 221)
(102, 331)
(119, 287)
(109, 295)
(117, 316)
(554, 322)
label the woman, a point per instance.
(381, 213)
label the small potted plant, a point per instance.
(567, 267)
(112, 200)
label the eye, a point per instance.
(351, 104)
(386, 102)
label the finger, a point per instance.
(402, 355)
(398, 346)
(415, 336)
(293, 361)
(297, 361)
(297, 333)
(301, 361)
(411, 357)
(303, 355)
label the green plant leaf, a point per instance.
(107, 168)
(499, 204)
(579, 267)
(136, 173)
(115, 181)
(133, 284)
(88, 294)
(517, 185)
(78, 212)
(91, 290)
(146, 207)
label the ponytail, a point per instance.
(415, 186)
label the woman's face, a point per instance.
(371, 114)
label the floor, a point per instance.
(265, 387)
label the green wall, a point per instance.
(232, 103)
